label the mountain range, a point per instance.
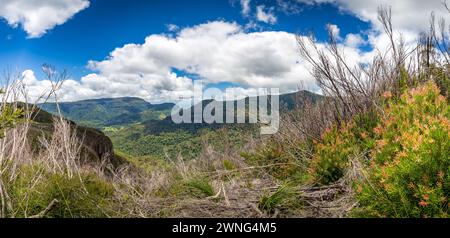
(105, 112)
(110, 112)
(139, 128)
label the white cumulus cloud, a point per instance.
(164, 66)
(410, 15)
(37, 17)
(215, 52)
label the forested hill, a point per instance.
(111, 112)
(100, 113)
(140, 128)
(287, 102)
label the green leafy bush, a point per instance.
(9, 117)
(409, 174)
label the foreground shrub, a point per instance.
(81, 196)
(338, 145)
(200, 187)
(280, 161)
(284, 196)
(331, 157)
(409, 174)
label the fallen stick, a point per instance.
(50, 207)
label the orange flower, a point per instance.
(401, 154)
(387, 94)
(446, 122)
(381, 143)
(377, 130)
(423, 204)
(439, 100)
(426, 197)
(363, 135)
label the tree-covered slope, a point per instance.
(100, 113)
(165, 138)
(140, 128)
(287, 102)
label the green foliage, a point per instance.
(228, 164)
(280, 161)
(135, 141)
(84, 196)
(200, 187)
(363, 130)
(146, 163)
(9, 117)
(110, 112)
(285, 195)
(409, 174)
(403, 80)
(442, 80)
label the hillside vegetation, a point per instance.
(107, 112)
(166, 139)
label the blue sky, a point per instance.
(99, 29)
(85, 34)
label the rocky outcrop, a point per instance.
(96, 146)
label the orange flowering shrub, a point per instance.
(333, 153)
(331, 158)
(409, 172)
